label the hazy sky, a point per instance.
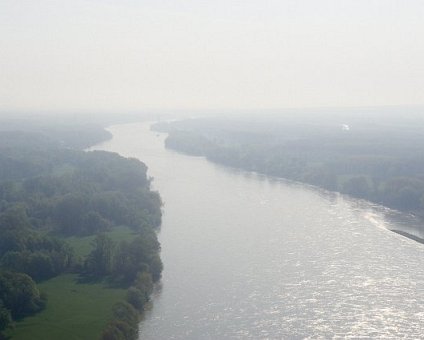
(136, 54)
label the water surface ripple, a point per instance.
(248, 256)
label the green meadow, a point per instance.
(75, 310)
(83, 245)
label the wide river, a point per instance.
(247, 256)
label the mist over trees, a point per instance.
(48, 193)
(376, 156)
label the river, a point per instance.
(247, 256)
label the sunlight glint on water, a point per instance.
(246, 256)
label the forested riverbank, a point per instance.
(272, 258)
(370, 156)
(78, 244)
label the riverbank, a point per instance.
(408, 235)
(88, 213)
(267, 258)
(379, 163)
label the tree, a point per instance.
(136, 257)
(357, 186)
(139, 294)
(5, 317)
(118, 330)
(93, 222)
(99, 261)
(144, 283)
(136, 298)
(69, 211)
(403, 193)
(19, 294)
(124, 312)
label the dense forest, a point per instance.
(51, 191)
(364, 154)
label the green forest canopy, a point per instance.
(49, 192)
(371, 155)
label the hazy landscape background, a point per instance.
(127, 55)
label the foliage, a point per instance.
(19, 294)
(99, 262)
(23, 249)
(124, 324)
(75, 310)
(138, 295)
(381, 162)
(135, 257)
(49, 193)
(5, 318)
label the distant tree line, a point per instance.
(382, 163)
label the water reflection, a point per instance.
(248, 256)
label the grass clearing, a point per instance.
(75, 311)
(82, 245)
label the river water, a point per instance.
(251, 257)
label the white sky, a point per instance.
(249, 54)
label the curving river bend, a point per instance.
(248, 256)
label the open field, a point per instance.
(82, 245)
(74, 311)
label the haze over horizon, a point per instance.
(127, 55)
